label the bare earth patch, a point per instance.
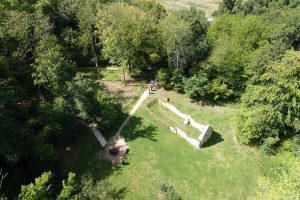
(115, 150)
(126, 95)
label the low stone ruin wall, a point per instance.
(205, 130)
(182, 134)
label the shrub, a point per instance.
(269, 144)
(171, 79)
(169, 192)
(196, 86)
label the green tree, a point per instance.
(91, 103)
(234, 38)
(4, 67)
(86, 12)
(229, 4)
(69, 190)
(125, 32)
(12, 134)
(53, 70)
(196, 87)
(270, 108)
(40, 189)
(22, 31)
(183, 36)
(100, 190)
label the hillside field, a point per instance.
(208, 6)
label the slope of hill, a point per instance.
(208, 6)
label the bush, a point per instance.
(171, 79)
(164, 187)
(270, 110)
(196, 86)
(291, 145)
(163, 78)
(169, 192)
(220, 90)
(269, 144)
(177, 80)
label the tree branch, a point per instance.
(2, 177)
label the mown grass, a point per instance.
(111, 75)
(105, 74)
(173, 120)
(223, 169)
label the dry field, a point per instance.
(208, 6)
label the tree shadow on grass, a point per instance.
(89, 157)
(136, 129)
(214, 139)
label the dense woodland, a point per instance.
(248, 55)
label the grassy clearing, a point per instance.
(111, 75)
(223, 169)
(112, 81)
(172, 119)
(208, 6)
(105, 74)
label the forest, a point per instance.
(249, 56)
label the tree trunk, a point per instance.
(39, 93)
(129, 68)
(124, 77)
(95, 55)
(177, 59)
(2, 177)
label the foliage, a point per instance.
(91, 103)
(21, 32)
(283, 181)
(4, 67)
(234, 38)
(69, 189)
(127, 33)
(11, 131)
(40, 189)
(183, 36)
(100, 190)
(169, 192)
(53, 70)
(270, 108)
(171, 79)
(196, 87)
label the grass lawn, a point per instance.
(112, 81)
(171, 119)
(223, 169)
(208, 6)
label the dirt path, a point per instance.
(133, 110)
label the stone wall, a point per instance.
(205, 130)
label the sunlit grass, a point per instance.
(223, 169)
(208, 6)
